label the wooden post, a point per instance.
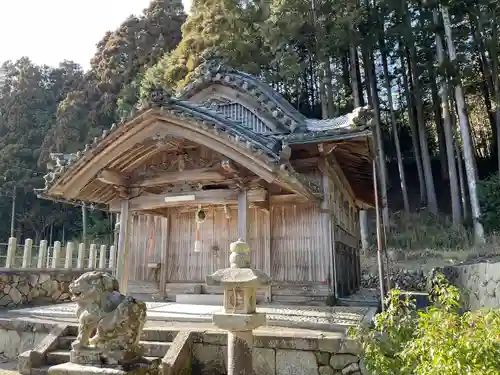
(42, 254)
(243, 215)
(123, 246)
(68, 263)
(327, 208)
(165, 230)
(80, 262)
(112, 259)
(363, 230)
(56, 253)
(267, 250)
(28, 244)
(102, 257)
(11, 252)
(93, 256)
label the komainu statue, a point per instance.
(109, 323)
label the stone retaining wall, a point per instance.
(282, 354)
(22, 287)
(479, 283)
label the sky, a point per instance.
(50, 31)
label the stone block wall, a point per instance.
(28, 287)
(282, 354)
(479, 283)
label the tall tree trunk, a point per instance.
(496, 82)
(358, 78)
(328, 79)
(436, 105)
(372, 85)
(413, 128)
(466, 136)
(422, 134)
(388, 88)
(355, 86)
(448, 130)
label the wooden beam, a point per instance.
(326, 149)
(287, 198)
(342, 183)
(173, 177)
(218, 196)
(110, 177)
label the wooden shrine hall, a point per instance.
(228, 158)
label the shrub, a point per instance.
(488, 192)
(423, 230)
(438, 340)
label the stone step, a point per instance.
(156, 349)
(64, 342)
(57, 357)
(151, 348)
(159, 335)
(162, 335)
(44, 370)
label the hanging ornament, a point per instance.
(199, 218)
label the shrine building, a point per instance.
(228, 158)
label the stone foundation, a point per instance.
(282, 354)
(276, 353)
(24, 287)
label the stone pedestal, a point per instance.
(239, 318)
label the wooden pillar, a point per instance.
(267, 250)
(122, 264)
(328, 224)
(165, 239)
(363, 230)
(243, 215)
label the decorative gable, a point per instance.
(238, 112)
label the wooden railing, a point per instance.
(71, 256)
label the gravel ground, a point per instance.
(8, 368)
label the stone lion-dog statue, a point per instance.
(116, 321)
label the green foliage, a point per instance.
(488, 192)
(422, 230)
(438, 340)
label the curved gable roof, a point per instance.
(214, 72)
(264, 150)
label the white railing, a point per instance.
(43, 256)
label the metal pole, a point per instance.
(13, 213)
(379, 237)
(84, 224)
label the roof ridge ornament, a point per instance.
(159, 96)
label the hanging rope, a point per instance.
(199, 218)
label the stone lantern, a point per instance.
(239, 318)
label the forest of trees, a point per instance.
(429, 70)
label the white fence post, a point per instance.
(93, 256)
(28, 245)
(11, 252)
(56, 253)
(68, 264)
(81, 256)
(112, 258)
(42, 254)
(102, 257)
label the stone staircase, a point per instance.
(55, 349)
